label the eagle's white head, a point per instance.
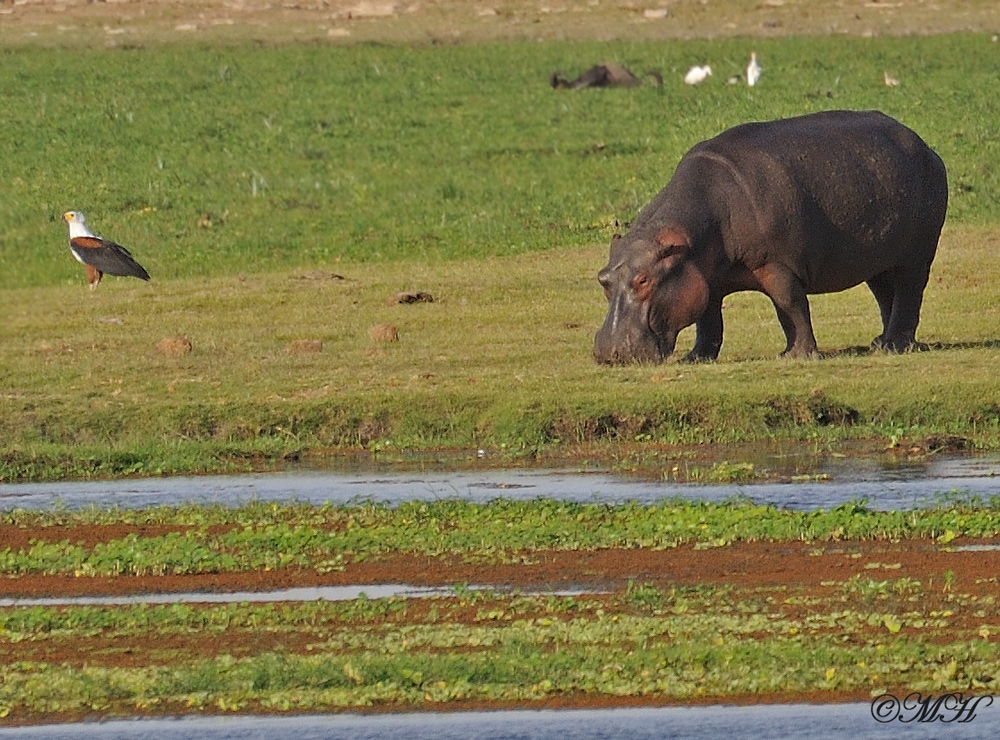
(77, 224)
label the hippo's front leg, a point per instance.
(708, 337)
(788, 295)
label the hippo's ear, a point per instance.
(673, 245)
(671, 240)
(616, 243)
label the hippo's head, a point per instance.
(654, 290)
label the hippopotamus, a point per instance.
(813, 204)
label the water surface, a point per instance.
(778, 722)
(305, 593)
(834, 481)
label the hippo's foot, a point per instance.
(898, 346)
(800, 353)
(693, 357)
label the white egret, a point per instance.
(696, 75)
(753, 70)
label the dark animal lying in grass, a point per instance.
(813, 204)
(603, 75)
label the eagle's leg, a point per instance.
(93, 276)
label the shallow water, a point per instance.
(310, 593)
(834, 481)
(326, 593)
(793, 721)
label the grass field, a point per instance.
(215, 161)
(246, 178)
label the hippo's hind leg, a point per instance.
(902, 290)
(884, 291)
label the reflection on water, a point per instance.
(791, 722)
(833, 481)
(326, 593)
(311, 593)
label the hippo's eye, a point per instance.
(642, 286)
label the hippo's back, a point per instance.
(835, 132)
(832, 188)
(859, 167)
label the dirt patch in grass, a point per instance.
(124, 24)
(22, 538)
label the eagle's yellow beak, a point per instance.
(67, 216)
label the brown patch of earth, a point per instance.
(83, 23)
(16, 537)
(747, 564)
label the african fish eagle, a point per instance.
(98, 255)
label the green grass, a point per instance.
(232, 170)
(306, 154)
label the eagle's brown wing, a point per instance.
(106, 256)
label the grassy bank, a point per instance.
(249, 179)
(500, 360)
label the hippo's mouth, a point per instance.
(648, 349)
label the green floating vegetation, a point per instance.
(518, 670)
(676, 644)
(331, 537)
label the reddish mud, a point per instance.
(746, 564)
